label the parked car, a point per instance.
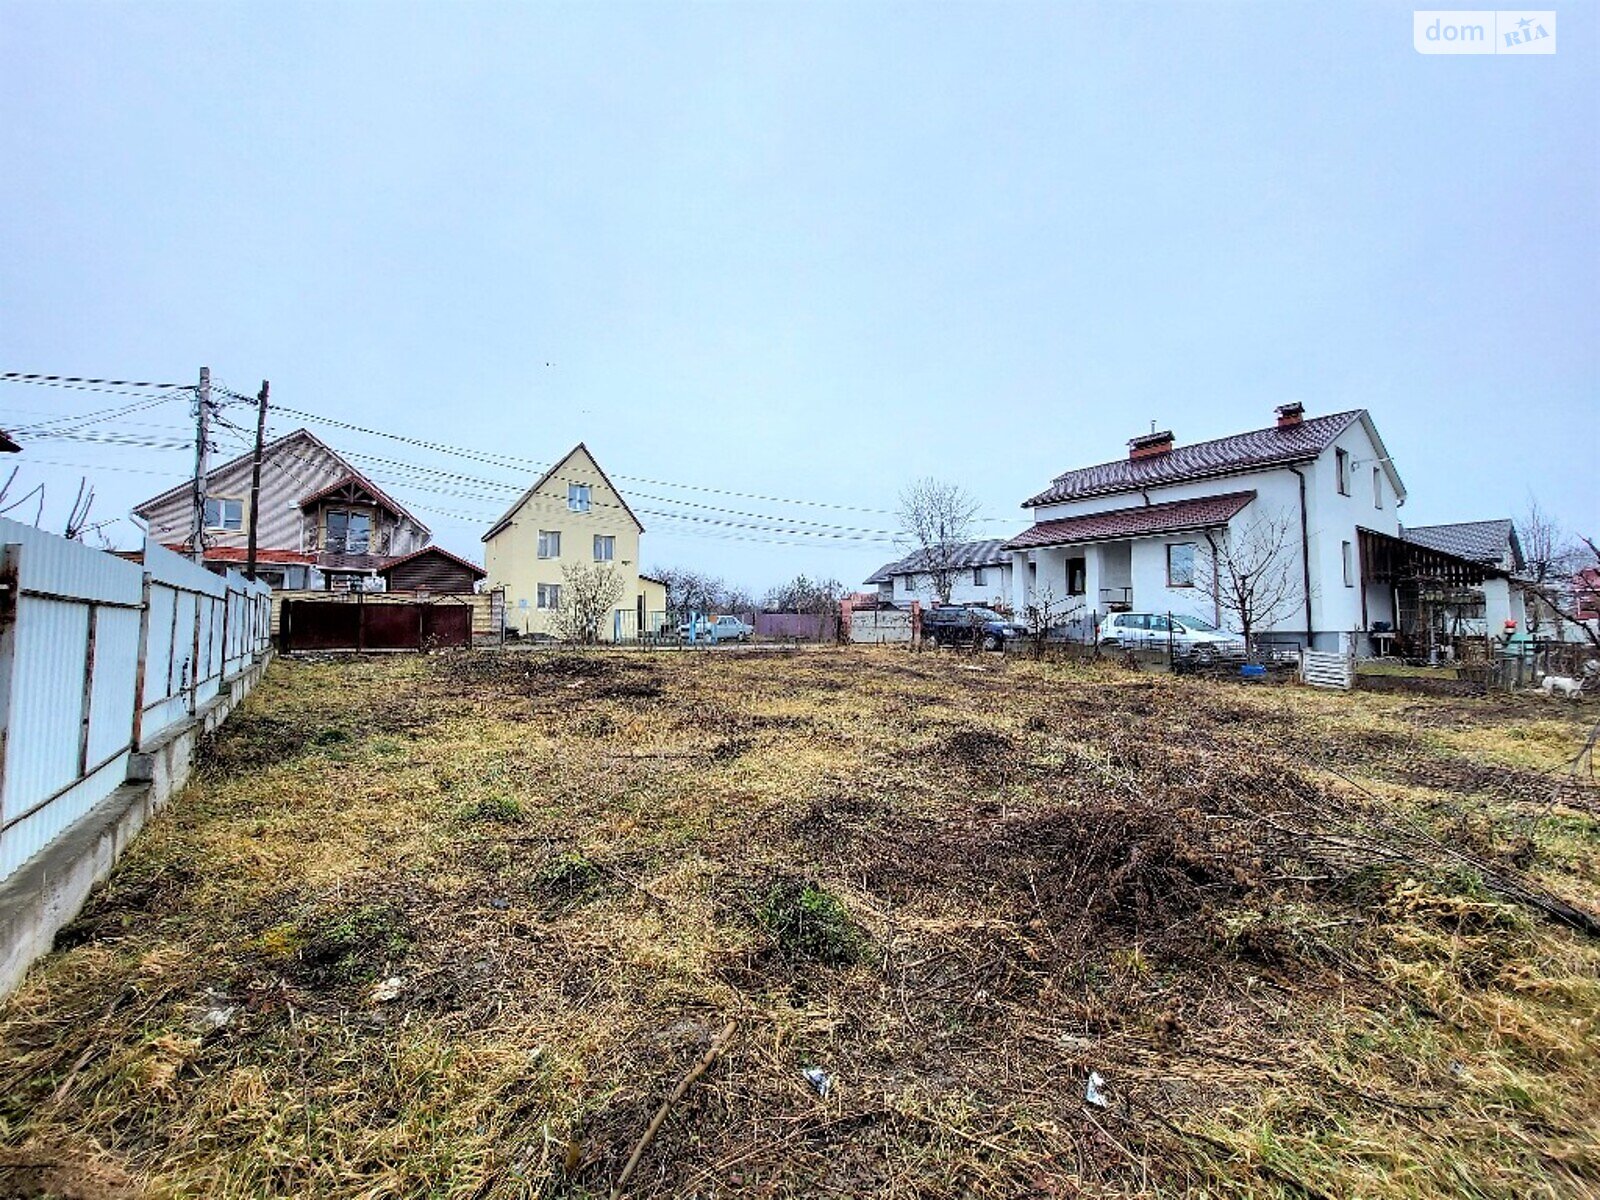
(723, 629)
(952, 624)
(1187, 636)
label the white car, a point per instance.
(723, 629)
(1188, 636)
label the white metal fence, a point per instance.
(98, 657)
(1326, 669)
(880, 625)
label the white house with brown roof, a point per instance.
(1129, 535)
(321, 523)
(982, 576)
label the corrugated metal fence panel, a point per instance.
(69, 664)
(182, 668)
(67, 728)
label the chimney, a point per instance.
(1290, 415)
(1150, 445)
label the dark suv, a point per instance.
(953, 624)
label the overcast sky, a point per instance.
(808, 252)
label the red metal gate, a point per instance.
(347, 625)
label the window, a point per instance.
(549, 543)
(977, 576)
(1341, 463)
(1347, 553)
(1156, 623)
(549, 595)
(1180, 565)
(605, 548)
(349, 532)
(222, 513)
(1377, 487)
(578, 497)
(1077, 576)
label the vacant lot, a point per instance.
(457, 926)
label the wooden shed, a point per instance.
(433, 571)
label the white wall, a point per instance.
(996, 588)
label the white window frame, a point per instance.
(1377, 488)
(608, 543)
(578, 498)
(548, 597)
(549, 543)
(1347, 557)
(1341, 470)
(221, 522)
(1194, 558)
(977, 577)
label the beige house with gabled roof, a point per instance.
(573, 514)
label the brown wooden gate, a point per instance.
(346, 625)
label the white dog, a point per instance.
(1570, 688)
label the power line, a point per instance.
(62, 380)
(515, 460)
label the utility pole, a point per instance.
(255, 480)
(197, 524)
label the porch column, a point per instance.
(1020, 595)
(1094, 602)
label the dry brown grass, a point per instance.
(1240, 906)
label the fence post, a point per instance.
(10, 598)
(138, 670)
(87, 710)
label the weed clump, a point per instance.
(809, 922)
(567, 879)
(498, 809)
(354, 945)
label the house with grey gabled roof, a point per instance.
(983, 576)
(1131, 534)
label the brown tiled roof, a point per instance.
(1140, 521)
(1273, 446)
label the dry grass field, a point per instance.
(457, 926)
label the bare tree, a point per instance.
(1550, 560)
(78, 518)
(589, 593)
(936, 518)
(1248, 573)
(1045, 612)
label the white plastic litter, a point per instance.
(1095, 1093)
(389, 989)
(819, 1079)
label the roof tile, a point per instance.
(1143, 520)
(1241, 451)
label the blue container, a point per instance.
(1252, 670)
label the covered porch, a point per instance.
(1129, 559)
(1425, 604)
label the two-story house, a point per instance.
(572, 514)
(321, 523)
(1131, 534)
(982, 575)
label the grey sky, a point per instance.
(804, 251)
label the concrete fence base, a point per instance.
(49, 890)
